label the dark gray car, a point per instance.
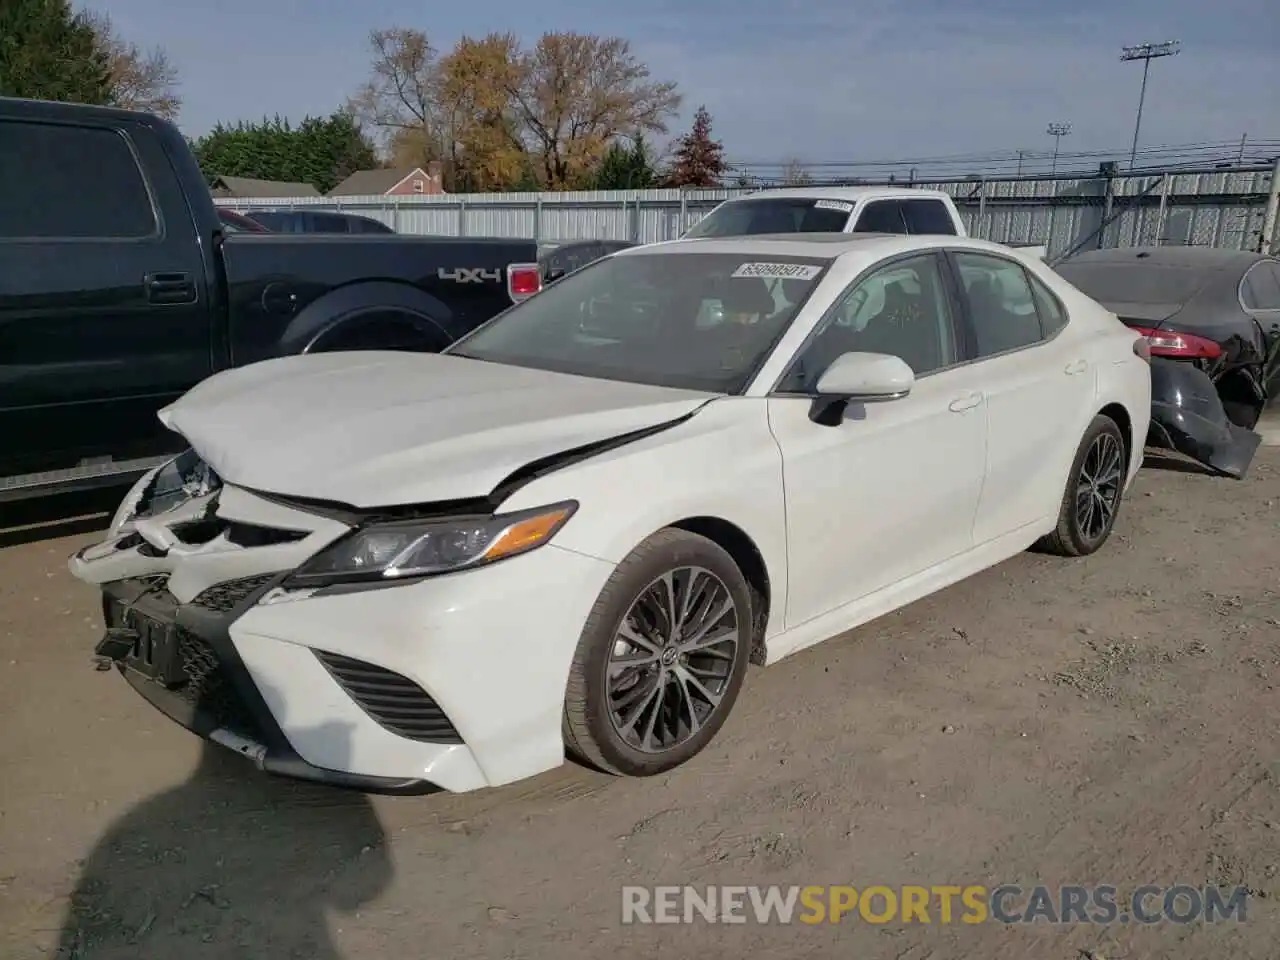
(1212, 319)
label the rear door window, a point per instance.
(71, 182)
(928, 216)
(881, 216)
(1002, 307)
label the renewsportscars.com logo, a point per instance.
(942, 904)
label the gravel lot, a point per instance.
(1112, 720)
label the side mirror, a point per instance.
(861, 377)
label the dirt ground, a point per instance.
(1106, 721)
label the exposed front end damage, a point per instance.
(215, 614)
(185, 558)
(1188, 416)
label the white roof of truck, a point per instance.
(848, 194)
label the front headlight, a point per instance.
(167, 487)
(419, 548)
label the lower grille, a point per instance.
(208, 688)
(205, 685)
(226, 596)
(394, 701)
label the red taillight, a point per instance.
(1142, 348)
(523, 280)
(1184, 346)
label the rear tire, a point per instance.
(1095, 487)
(644, 696)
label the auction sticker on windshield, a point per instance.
(842, 205)
(778, 271)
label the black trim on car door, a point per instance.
(962, 320)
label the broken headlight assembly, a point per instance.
(411, 549)
(184, 478)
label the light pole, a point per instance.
(1057, 131)
(1146, 52)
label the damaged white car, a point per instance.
(576, 527)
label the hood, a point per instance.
(377, 429)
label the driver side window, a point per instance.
(902, 310)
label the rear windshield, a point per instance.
(1134, 282)
(738, 218)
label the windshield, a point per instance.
(696, 321)
(738, 218)
(1133, 282)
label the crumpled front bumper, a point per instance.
(453, 682)
(1187, 416)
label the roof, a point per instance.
(850, 194)
(1175, 255)
(371, 183)
(249, 187)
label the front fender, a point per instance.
(722, 463)
(1187, 416)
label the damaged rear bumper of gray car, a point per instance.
(1187, 416)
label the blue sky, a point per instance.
(813, 79)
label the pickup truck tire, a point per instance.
(382, 330)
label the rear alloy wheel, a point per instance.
(1094, 490)
(662, 657)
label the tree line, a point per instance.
(50, 52)
(572, 111)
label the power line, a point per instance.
(1168, 155)
(1012, 155)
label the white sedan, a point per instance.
(575, 528)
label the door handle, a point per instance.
(966, 402)
(1075, 367)
(170, 288)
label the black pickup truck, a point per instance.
(121, 288)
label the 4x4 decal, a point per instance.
(469, 274)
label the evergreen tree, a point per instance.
(627, 167)
(47, 52)
(320, 151)
(699, 160)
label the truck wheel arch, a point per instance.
(412, 312)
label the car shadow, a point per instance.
(231, 863)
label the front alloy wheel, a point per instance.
(672, 659)
(662, 657)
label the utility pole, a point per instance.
(1146, 52)
(1244, 138)
(1057, 131)
(1021, 154)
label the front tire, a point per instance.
(1095, 487)
(661, 659)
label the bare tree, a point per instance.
(794, 174)
(577, 92)
(402, 96)
(139, 80)
(496, 114)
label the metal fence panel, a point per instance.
(1218, 207)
